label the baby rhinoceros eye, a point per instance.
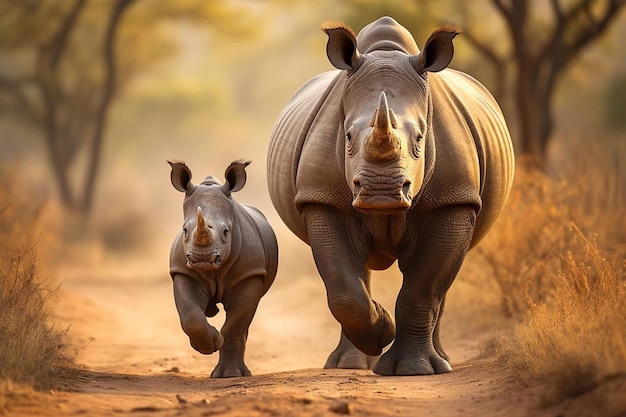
(226, 231)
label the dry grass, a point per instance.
(529, 235)
(535, 230)
(576, 338)
(559, 268)
(31, 349)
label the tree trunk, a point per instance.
(108, 90)
(534, 118)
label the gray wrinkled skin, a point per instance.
(226, 253)
(390, 157)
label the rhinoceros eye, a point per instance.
(226, 231)
(414, 147)
(349, 143)
(185, 233)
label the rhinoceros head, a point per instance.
(386, 108)
(208, 212)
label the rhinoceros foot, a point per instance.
(376, 336)
(232, 369)
(204, 338)
(416, 361)
(347, 356)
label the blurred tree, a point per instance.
(63, 62)
(544, 39)
(71, 111)
(529, 44)
(615, 99)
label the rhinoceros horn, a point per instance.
(202, 236)
(383, 145)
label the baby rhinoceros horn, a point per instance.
(202, 236)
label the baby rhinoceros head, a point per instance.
(208, 211)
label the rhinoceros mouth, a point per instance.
(380, 204)
(203, 262)
(382, 198)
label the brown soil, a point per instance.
(136, 361)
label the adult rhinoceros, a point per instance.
(393, 157)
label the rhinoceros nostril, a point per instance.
(406, 189)
(357, 186)
(217, 258)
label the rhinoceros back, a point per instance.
(288, 136)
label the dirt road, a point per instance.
(136, 361)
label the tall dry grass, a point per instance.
(575, 339)
(558, 262)
(31, 348)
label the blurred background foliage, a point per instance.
(96, 94)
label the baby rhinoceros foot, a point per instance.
(204, 338)
(405, 361)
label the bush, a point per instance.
(576, 338)
(528, 238)
(31, 349)
(535, 229)
(563, 288)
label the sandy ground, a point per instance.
(136, 361)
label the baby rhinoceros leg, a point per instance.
(191, 304)
(240, 305)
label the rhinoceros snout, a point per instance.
(381, 194)
(203, 261)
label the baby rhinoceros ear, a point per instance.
(235, 176)
(181, 177)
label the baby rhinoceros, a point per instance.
(225, 253)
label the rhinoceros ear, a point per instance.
(341, 47)
(235, 176)
(438, 50)
(181, 177)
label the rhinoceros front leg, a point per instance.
(430, 262)
(240, 306)
(191, 303)
(335, 241)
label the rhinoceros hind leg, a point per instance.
(221, 371)
(397, 362)
(347, 356)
